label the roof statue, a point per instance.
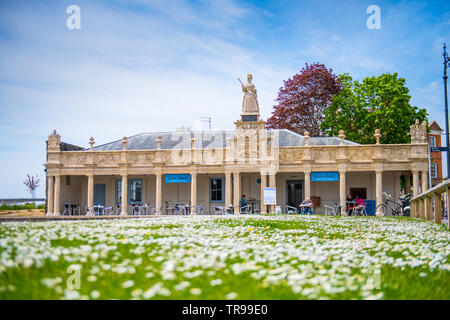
(250, 101)
(418, 132)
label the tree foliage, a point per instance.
(377, 103)
(303, 99)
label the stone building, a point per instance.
(214, 168)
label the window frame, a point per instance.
(435, 166)
(434, 144)
(130, 183)
(222, 189)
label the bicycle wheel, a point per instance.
(382, 209)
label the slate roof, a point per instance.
(209, 139)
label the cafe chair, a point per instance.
(246, 209)
(291, 209)
(219, 210)
(67, 209)
(154, 210)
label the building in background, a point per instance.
(434, 139)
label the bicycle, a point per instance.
(396, 210)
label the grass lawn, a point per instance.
(210, 257)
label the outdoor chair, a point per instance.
(291, 209)
(145, 208)
(67, 209)
(331, 211)
(136, 210)
(98, 210)
(88, 211)
(219, 210)
(154, 210)
(360, 210)
(246, 209)
(200, 209)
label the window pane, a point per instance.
(118, 190)
(216, 189)
(135, 190)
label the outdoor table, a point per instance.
(253, 203)
(98, 210)
(73, 208)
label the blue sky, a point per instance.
(138, 66)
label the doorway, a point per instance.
(294, 192)
(99, 194)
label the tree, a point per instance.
(303, 100)
(32, 184)
(377, 103)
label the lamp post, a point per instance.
(446, 64)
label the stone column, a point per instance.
(263, 185)
(237, 191)
(307, 184)
(342, 193)
(407, 183)
(158, 192)
(428, 211)
(412, 209)
(379, 188)
(424, 181)
(124, 200)
(415, 183)
(57, 199)
(437, 208)
(193, 193)
(90, 196)
(421, 208)
(228, 190)
(50, 193)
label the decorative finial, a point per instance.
(341, 136)
(158, 142)
(192, 143)
(306, 134)
(92, 142)
(124, 143)
(377, 135)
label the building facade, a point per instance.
(214, 168)
(434, 140)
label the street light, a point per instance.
(446, 64)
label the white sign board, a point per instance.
(270, 196)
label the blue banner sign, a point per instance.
(178, 178)
(325, 176)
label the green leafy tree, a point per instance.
(377, 103)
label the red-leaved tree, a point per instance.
(303, 100)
